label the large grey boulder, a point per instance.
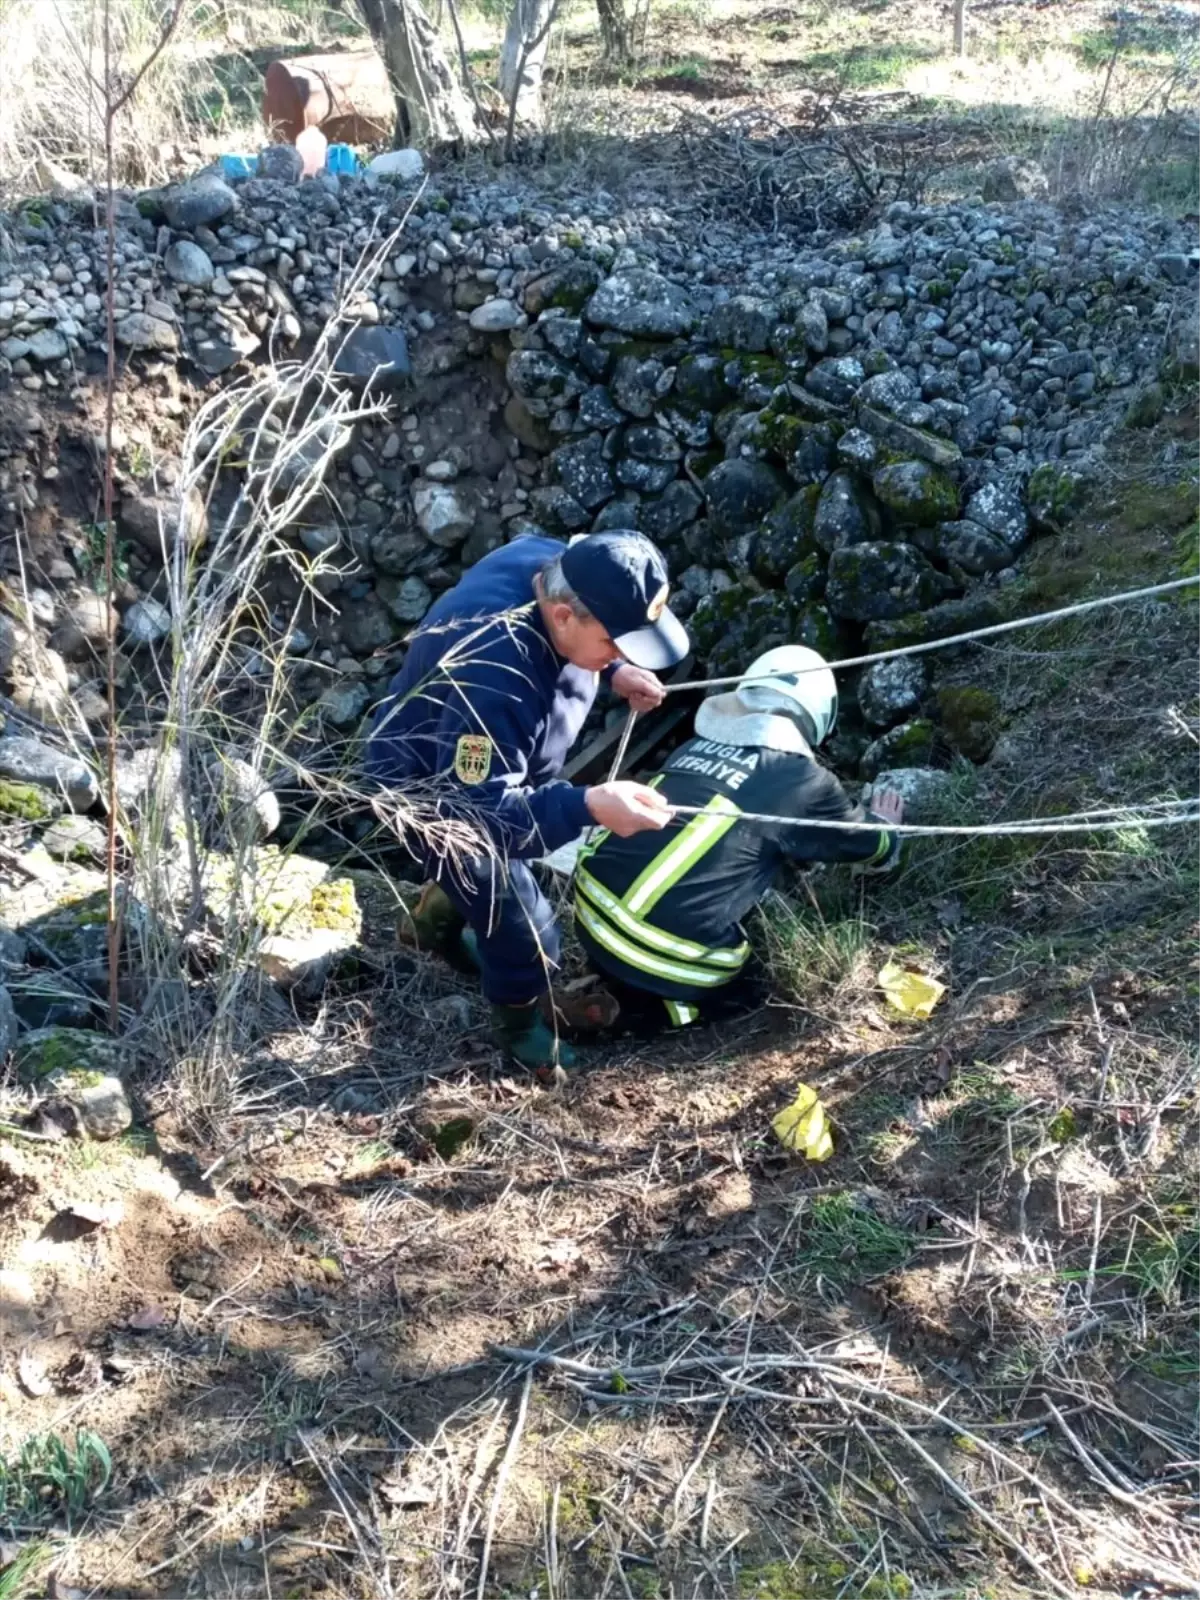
(140, 331)
(846, 514)
(999, 509)
(198, 203)
(375, 356)
(641, 304)
(889, 691)
(639, 384)
(926, 792)
(30, 761)
(544, 381)
(186, 263)
(743, 323)
(584, 473)
(917, 493)
(875, 581)
(739, 495)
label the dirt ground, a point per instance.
(295, 1359)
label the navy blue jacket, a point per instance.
(486, 706)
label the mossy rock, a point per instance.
(76, 930)
(912, 744)
(1146, 407)
(780, 432)
(75, 1056)
(805, 579)
(282, 893)
(941, 621)
(1053, 495)
(730, 628)
(916, 494)
(815, 628)
(786, 538)
(701, 462)
(26, 802)
(970, 719)
(569, 289)
(699, 385)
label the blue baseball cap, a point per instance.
(622, 579)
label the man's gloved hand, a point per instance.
(627, 808)
(641, 688)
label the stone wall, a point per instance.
(836, 440)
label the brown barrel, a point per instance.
(346, 95)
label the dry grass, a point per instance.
(203, 93)
(1107, 108)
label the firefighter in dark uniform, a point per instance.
(493, 692)
(660, 914)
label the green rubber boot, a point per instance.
(439, 927)
(435, 925)
(521, 1032)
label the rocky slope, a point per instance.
(843, 440)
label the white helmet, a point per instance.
(797, 681)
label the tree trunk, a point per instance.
(615, 30)
(960, 28)
(431, 106)
(523, 56)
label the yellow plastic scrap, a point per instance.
(912, 993)
(803, 1127)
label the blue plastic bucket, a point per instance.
(340, 159)
(239, 166)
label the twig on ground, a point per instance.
(510, 1455)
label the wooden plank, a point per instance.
(590, 766)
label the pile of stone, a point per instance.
(835, 439)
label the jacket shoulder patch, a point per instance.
(473, 758)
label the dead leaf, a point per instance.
(147, 1319)
(97, 1216)
(32, 1374)
(558, 1253)
(405, 1496)
(79, 1373)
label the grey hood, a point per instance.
(726, 719)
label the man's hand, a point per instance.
(642, 689)
(888, 805)
(627, 808)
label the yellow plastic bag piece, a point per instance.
(802, 1126)
(912, 993)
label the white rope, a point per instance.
(624, 744)
(957, 638)
(1073, 822)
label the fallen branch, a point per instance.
(510, 1455)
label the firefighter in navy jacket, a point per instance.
(493, 692)
(660, 915)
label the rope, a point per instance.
(624, 744)
(1102, 821)
(957, 638)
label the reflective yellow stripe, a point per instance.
(680, 1014)
(596, 836)
(669, 944)
(642, 960)
(665, 871)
